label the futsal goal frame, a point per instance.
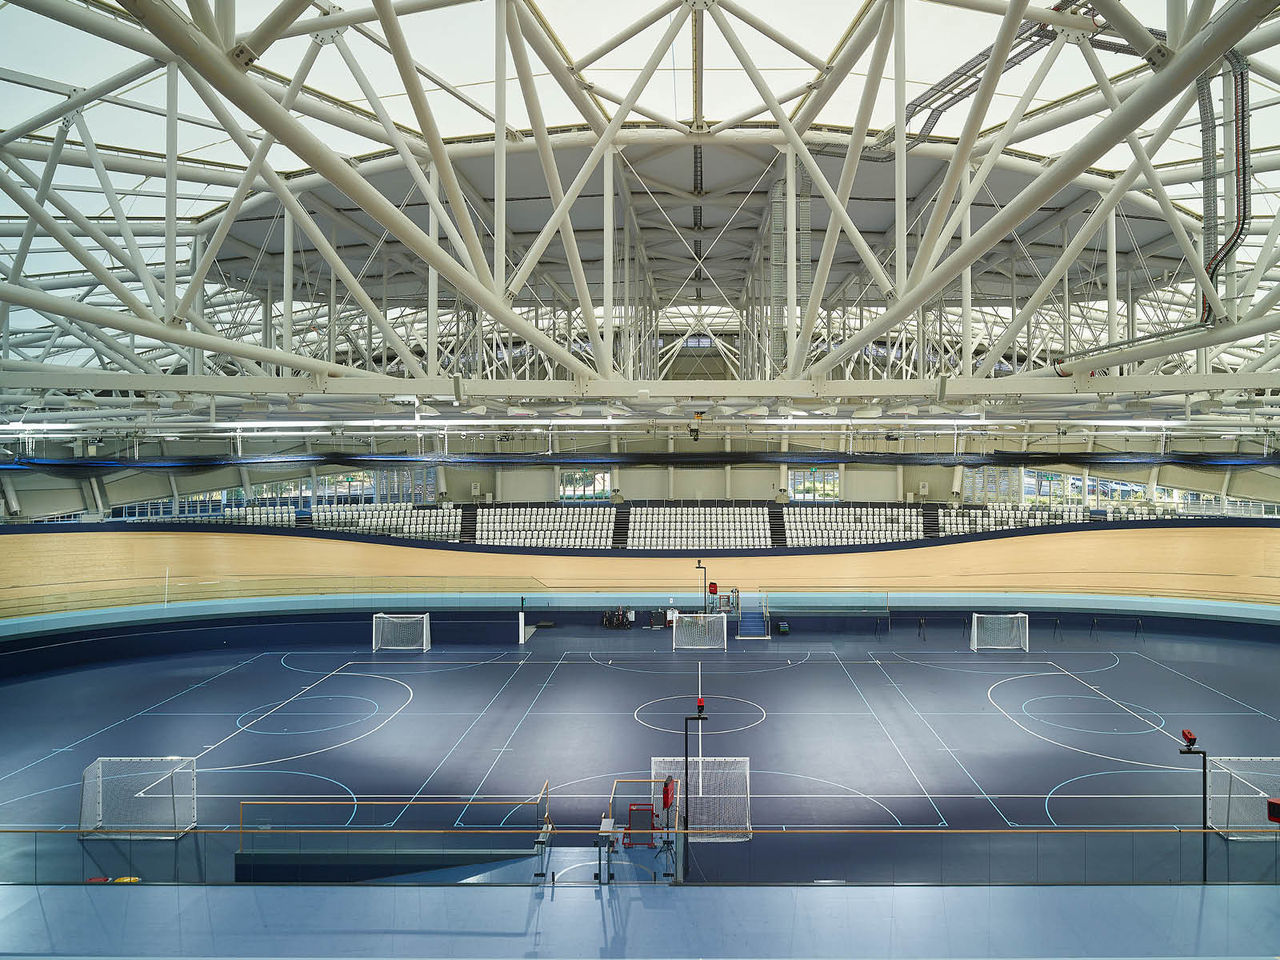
(700, 631)
(402, 631)
(138, 798)
(1008, 631)
(1238, 791)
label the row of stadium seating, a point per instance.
(583, 528)
(261, 516)
(832, 526)
(1139, 512)
(956, 521)
(699, 528)
(389, 519)
(672, 527)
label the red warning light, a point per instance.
(712, 588)
(702, 704)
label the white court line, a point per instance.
(1058, 743)
(945, 745)
(140, 713)
(503, 749)
(885, 729)
(1098, 691)
(282, 703)
(332, 746)
(417, 793)
(1206, 686)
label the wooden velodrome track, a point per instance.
(48, 572)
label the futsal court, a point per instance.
(888, 723)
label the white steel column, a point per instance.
(1113, 302)
(966, 294)
(171, 194)
(500, 145)
(607, 318)
(286, 288)
(900, 144)
(195, 364)
(791, 246)
(433, 288)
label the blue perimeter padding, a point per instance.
(793, 604)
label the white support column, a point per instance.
(1066, 292)
(607, 318)
(966, 294)
(500, 146)
(171, 194)
(224, 15)
(792, 254)
(1175, 21)
(1113, 293)
(286, 289)
(1130, 313)
(433, 288)
(671, 471)
(331, 327)
(900, 144)
(268, 332)
(195, 363)
(728, 471)
(1230, 186)
(11, 496)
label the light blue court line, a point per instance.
(945, 745)
(1206, 686)
(1104, 773)
(355, 802)
(1098, 691)
(942, 821)
(417, 793)
(109, 726)
(1085, 713)
(503, 749)
(359, 717)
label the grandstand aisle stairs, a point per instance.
(752, 622)
(468, 532)
(621, 526)
(932, 528)
(777, 526)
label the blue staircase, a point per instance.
(753, 624)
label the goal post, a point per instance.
(138, 798)
(1239, 788)
(718, 795)
(1000, 631)
(700, 631)
(402, 631)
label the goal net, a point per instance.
(1239, 788)
(700, 631)
(120, 795)
(396, 631)
(719, 795)
(1000, 631)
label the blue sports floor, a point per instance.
(866, 727)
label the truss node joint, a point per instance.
(243, 56)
